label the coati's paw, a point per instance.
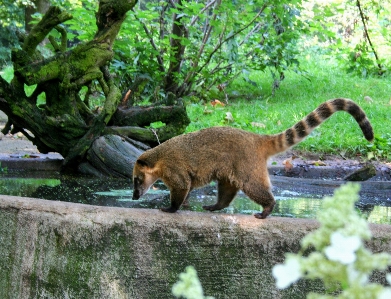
(169, 210)
(211, 208)
(267, 210)
(260, 215)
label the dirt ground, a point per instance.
(17, 145)
(10, 144)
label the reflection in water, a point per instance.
(380, 214)
(24, 187)
(298, 202)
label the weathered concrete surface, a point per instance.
(54, 249)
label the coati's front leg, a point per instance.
(262, 195)
(177, 196)
(226, 192)
(267, 210)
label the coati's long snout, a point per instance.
(144, 176)
(236, 159)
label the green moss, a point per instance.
(8, 222)
(216, 268)
(74, 266)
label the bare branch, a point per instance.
(207, 32)
(379, 65)
(53, 17)
(207, 6)
(177, 50)
(221, 43)
(159, 58)
(256, 29)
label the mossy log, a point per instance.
(67, 123)
(112, 155)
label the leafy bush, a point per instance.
(11, 20)
(380, 148)
(356, 32)
(191, 47)
(188, 47)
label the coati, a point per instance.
(236, 159)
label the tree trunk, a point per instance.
(86, 137)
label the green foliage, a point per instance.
(380, 148)
(189, 286)
(82, 27)
(11, 12)
(7, 73)
(191, 47)
(11, 20)
(254, 110)
(217, 41)
(338, 255)
(156, 125)
(3, 169)
(356, 32)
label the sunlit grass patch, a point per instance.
(254, 109)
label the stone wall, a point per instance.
(62, 250)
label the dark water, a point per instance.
(297, 198)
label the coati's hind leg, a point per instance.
(226, 192)
(263, 196)
(177, 196)
(186, 203)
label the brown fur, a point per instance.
(236, 159)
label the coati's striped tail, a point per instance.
(303, 128)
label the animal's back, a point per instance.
(212, 153)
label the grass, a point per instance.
(297, 96)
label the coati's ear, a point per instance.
(143, 163)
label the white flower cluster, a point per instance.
(189, 285)
(340, 258)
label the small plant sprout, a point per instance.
(189, 286)
(338, 256)
(3, 169)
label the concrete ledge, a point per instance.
(54, 249)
